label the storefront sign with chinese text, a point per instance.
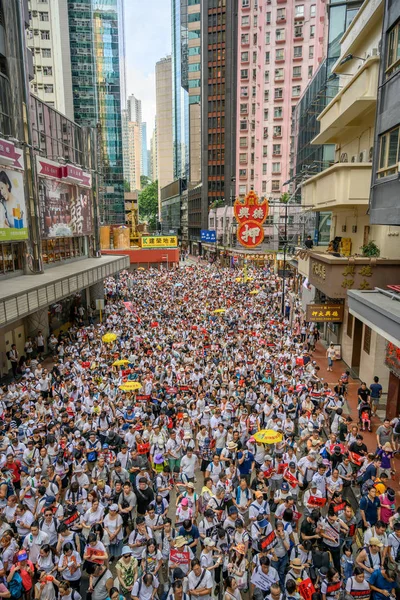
(162, 241)
(250, 213)
(318, 270)
(324, 313)
(392, 358)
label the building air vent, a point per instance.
(344, 157)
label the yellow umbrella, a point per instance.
(238, 279)
(130, 386)
(254, 292)
(120, 363)
(268, 436)
(249, 279)
(140, 268)
(219, 310)
(109, 337)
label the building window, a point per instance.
(243, 125)
(266, 58)
(313, 10)
(244, 39)
(276, 149)
(296, 71)
(244, 73)
(266, 77)
(393, 50)
(276, 167)
(280, 54)
(268, 18)
(281, 14)
(48, 71)
(278, 112)
(244, 91)
(243, 173)
(245, 3)
(275, 185)
(264, 186)
(349, 328)
(296, 91)
(243, 108)
(45, 35)
(243, 142)
(298, 51)
(367, 339)
(278, 93)
(265, 114)
(280, 34)
(312, 31)
(266, 95)
(11, 257)
(48, 89)
(277, 131)
(311, 52)
(242, 190)
(244, 57)
(245, 20)
(265, 133)
(265, 151)
(298, 31)
(267, 37)
(44, 16)
(310, 72)
(389, 153)
(46, 52)
(279, 73)
(264, 169)
(299, 10)
(243, 158)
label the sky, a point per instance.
(147, 39)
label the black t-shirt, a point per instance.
(308, 529)
(144, 497)
(358, 449)
(364, 394)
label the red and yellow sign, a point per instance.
(250, 213)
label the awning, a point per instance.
(379, 309)
(25, 294)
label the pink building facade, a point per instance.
(280, 45)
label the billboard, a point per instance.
(65, 210)
(162, 241)
(13, 214)
(324, 313)
(208, 235)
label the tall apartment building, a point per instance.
(191, 80)
(132, 134)
(153, 154)
(218, 98)
(134, 107)
(164, 136)
(48, 40)
(280, 45)
(135, 154)
(144, 165)
(180, 96)
(96, 40)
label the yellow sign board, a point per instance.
(161, 241)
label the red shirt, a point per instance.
(15, 468)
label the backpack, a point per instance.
(15, 586)
(92, 455)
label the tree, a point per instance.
(148, 204)
(144, 181)
(285, 198)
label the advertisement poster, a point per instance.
(13, 215)
(65, 210)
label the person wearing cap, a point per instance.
(179, 543)
(259, 507)
(210, 557)
(260, 528)
(208, 525)
(370, 558)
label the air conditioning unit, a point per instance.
(344, 158)
(353, 159)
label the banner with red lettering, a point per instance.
(269, 541)
(315, 501)
(355, 458)
(281, 468)
(306, 589)
(291, 479)
(179, 557)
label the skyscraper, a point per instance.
(96, 40)
(48, 40)
(164, 144)
(180, 96)
(144, 167)
(134, 106)
(218, 102)
(279, 46)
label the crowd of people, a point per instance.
(170, 490)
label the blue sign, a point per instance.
(208, 235)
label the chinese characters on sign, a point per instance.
(162, 241)
(324, 313)
(392, 358)
(208, 235)
(318, 270)
(250, 213)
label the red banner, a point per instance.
(143, 397)
(269, 541)
(306, 589)
(281, 468)
(178, 557)
(338, 507)
(355, 458)
(291, 479)
(315, 501)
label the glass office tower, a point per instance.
(96, 35)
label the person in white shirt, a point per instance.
(200, 581)
(262, 578)
(33, 541)
(145, 587)
(189, 463)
